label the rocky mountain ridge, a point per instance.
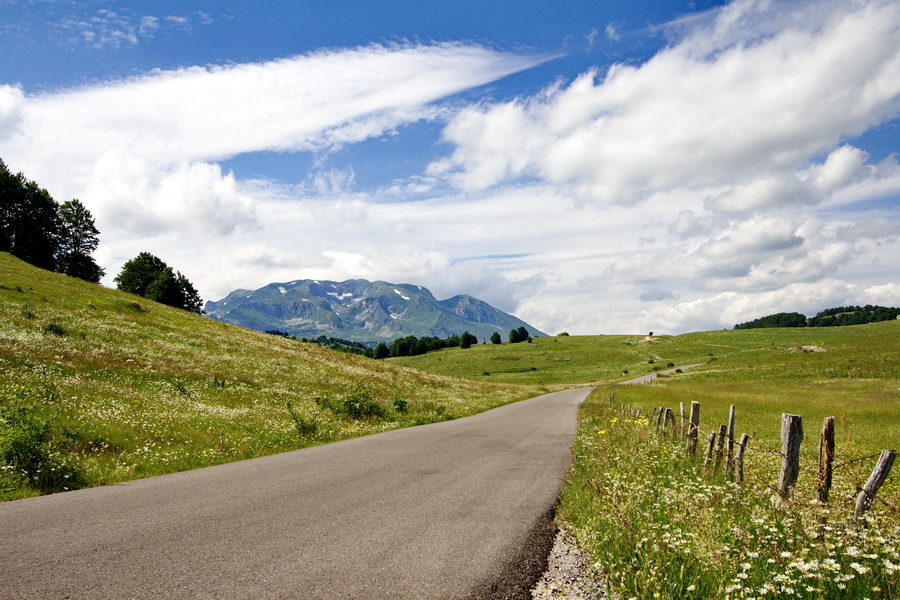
(362, 311)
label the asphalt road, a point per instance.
(459, 509)
(649, 378)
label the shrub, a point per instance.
(358, 405)
(361, 405)
(54, 329)
(401, 405)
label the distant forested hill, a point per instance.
(831, 317)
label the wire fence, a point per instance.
(725, 456)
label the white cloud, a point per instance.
(716, 108)
(319, 100)
(107, 29)
(194, 199)
(12, 99)
(716, 141)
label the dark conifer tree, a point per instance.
(78, 239)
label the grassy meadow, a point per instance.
(98, 386)
(656, 525)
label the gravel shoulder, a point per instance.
(570, 574)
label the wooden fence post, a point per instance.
(709, 452)
(669, 422)
(720, 448)
(729, 463)
(791, 436)
(683, 428)
(612, 397)
(694, 429)
(660, 416)
(826, 459)
(739, 459)
(876, 479)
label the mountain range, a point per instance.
(361, 311)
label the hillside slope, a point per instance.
(361, 311)
(131, 388)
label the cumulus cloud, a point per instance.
(727, 309)
(12, 99)
(193, 198)
(732, 142)
(751, 93)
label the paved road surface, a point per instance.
(652, 376)
(451, 510)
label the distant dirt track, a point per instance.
(459, 509)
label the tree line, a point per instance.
(62, 237)
(413, 346)
(831, 317)
(44, 233)
(406, 346)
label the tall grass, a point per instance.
(659, 528)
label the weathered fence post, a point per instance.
(826, 459)
(876, 479)
(709, 452)
(791, 436)
(693, 429)
(669, 422)
(729, 463)
(720, 448)
(739, 459)
(683, 428)
(612, 397)
(659, 417)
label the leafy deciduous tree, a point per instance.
(148, 276)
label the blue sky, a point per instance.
(592, 167)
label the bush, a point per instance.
(400, 405)
(54, 329)
(361, 405)
(358, 405)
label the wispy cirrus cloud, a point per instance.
(106, 28)
(126, 143)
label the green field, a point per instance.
(98, 386)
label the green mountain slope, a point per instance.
(125, 388)
(361, 311)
